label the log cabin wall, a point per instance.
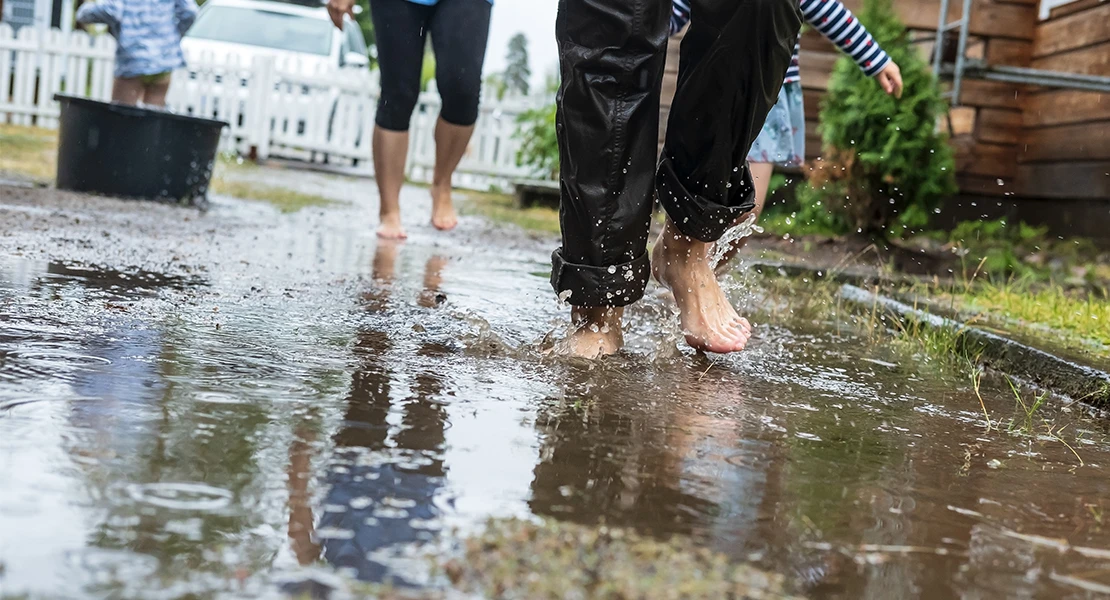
(1065, 140)
(1011, 141)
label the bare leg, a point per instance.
(155, 93)
(127, 91)
(708, 320)
(451, 144)
(761, 176)
(597, 332)
(391, 148)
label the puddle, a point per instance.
(324, 409)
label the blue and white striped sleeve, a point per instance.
(680, 15)
(843, 29)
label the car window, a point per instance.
(254, 27)
(355, 41)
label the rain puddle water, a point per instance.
(167, 436)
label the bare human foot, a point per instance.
(597, 333)
(443, 209)
(390, 227)
(708, 320)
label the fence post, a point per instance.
(258, 106)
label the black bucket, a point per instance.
(133, 152)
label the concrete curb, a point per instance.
(836, 275)
(1062, 376)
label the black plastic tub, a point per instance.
(133, 152)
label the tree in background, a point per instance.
(367, 25)
(518, 73)
(886, 167)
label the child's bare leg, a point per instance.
(154, 93)
(127, 91)
(709, 322)
(761, 177)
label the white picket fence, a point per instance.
(273, 108)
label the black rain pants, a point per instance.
(612, 53)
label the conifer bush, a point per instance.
(885, 165)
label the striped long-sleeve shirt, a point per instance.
(832, 19)
(148, 32)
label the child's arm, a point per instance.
(186, 12)
(100, 11)
(844, 30)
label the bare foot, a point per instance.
(597, 333)
(390, 228)
(443, 210)
(708, 320)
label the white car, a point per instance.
(293, 32)
(298, 30)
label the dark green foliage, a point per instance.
(886, 166)
(539, 147)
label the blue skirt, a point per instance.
(783, 138)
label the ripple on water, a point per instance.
(180, 496)
(101, 564)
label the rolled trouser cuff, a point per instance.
(697, 215)
(590, 286)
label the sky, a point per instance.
(536, 20)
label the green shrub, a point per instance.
(886, 166)
(539, 148)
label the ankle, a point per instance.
(389, 216)
(676, 246)
(604, 317)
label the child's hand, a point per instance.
(890, 78)
(338, 8)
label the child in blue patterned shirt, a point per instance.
(148, 36)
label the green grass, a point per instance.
(781, 223)
(1074, 318)
(28, 152)
(1077, 313)
(285, 200)
(501, 208)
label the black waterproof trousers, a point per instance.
(612, 54)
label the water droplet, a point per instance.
(612, 269)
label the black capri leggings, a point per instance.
(459, 30)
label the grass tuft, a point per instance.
(285, 200)
(28, 152)
(501, 208)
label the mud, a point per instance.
(239, 401)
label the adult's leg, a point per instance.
(127, 91)
(612, 54)
(733, 60)
(460, 30)
(401, 31)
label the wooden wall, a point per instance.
(1065, 142)
(1009, 139)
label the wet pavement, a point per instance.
(231, 402)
